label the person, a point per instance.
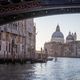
(55, 56)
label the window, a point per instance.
(30, 34)
(0, 45)
(7, 36)
(14, 26)
(6, 47)
(9, 47)
(16, 48)
(0, 36)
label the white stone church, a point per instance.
(57, 46)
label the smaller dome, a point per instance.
(69, 37)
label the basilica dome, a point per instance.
(57, 36)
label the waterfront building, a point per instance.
(17, 39)
(72, 49)
(57, 46)
(53, 48)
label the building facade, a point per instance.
(53, 48)
(17, 39)
(71, 49)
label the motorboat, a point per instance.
(50, 58)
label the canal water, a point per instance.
(62, 69)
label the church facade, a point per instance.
(57, 46)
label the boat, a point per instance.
(50, 58)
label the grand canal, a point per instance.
(62, 69)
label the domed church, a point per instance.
(57, 46)
(57, 36)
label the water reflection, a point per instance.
(15, 72)
(63, 69)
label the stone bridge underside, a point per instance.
(11, 11)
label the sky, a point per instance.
(45, 26)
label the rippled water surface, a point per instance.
(62, 69)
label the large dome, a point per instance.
(57, 36)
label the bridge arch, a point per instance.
(22, 9)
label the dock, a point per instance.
(22, 61)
